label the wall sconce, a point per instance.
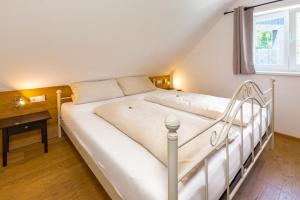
(19, 102)
(166, 82)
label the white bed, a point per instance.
(135, 173)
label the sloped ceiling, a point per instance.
(53, 42)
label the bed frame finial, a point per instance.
(172, 123)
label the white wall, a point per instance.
(54, 42)
(208, 69)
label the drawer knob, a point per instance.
(26, 127)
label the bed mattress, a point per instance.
(134, 172)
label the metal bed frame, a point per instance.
(248, 92)
(242, 95)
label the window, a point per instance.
(298, 38)
(295, 39)
(277, 41)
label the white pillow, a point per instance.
(135, 84)
(85, 92)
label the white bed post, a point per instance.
(273, 113)
(58, 96)
(172, 124)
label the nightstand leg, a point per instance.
(45, 136)
(4, 146)
(7, 137)
(42, 134)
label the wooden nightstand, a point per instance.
(21, 124)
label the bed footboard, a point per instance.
(248, 92)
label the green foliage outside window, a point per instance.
(264, 40)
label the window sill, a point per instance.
(278, 73)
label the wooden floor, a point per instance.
(59, 175)
(276, 175)
(62, 174)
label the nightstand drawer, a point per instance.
(25, 127)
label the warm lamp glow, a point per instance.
(29, 83)
(22, 102)
(176, 82)
(19, 101)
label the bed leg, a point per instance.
(273, 113)
(58, 96)
(172, 124)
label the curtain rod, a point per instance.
(246, 8)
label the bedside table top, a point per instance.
(24, 119)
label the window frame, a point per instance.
(293, 66)
(273, 67)
(290, 66)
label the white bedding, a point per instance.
(205, 105)
(143, 122)
(132, 170)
